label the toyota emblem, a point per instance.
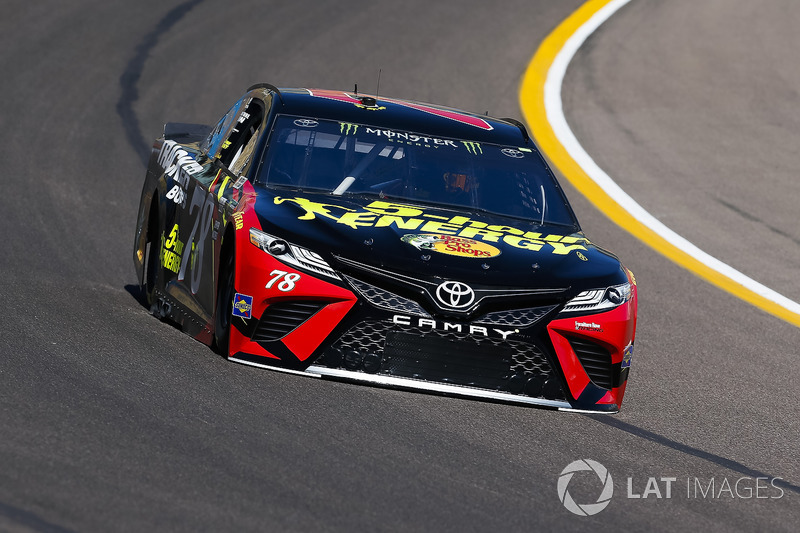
(306, 123)
(455, 294)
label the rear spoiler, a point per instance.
(186, 133)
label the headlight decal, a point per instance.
(599, 299)
(291, 254)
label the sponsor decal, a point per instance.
(473, 147)
(381, 214)
(455, 294)
(238, 220)
(242, 305)
(451, 245)
(512, 152)
(581, 256)
(179, 165)
(306, 123)
(404, 137)
(345, 128)
(439, 325)
(171, 250)
(627, 354)
(587, 326)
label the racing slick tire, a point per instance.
(224, 309)
(151, 264)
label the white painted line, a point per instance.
(555, 115)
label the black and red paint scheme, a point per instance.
(384, 241)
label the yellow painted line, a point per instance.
(540, 100)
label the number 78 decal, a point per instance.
(289, 279)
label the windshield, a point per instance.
(354, 159)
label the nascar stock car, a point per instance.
(386, 241)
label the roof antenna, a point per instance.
(378, 89)
(355, 90)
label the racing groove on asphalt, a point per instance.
(115, 421)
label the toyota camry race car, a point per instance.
(385, 241)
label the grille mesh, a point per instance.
(519, 318)
(446, 357)
(385, 299)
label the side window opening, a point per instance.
(237, 150)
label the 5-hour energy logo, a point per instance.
(171, 251)
(380, 214)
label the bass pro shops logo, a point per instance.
(585, 509)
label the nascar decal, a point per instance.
(381, 214)
(444, 113)
(451, 245)
(242, 305)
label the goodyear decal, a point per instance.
(381, 214)
(238, 220)
(242, 305)
(451, 245)
(171, 250)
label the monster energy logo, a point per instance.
(473, 147)
(346, 127)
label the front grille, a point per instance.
(282, 318)
(384, 299)
(518, 318)
(516, 366)
(444, 360)
(596, 361)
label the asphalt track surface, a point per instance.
(113, 421)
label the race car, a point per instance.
(386, 241)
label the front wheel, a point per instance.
(224, 310)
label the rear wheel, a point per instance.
(224, 310)
(151, 264)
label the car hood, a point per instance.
(435, 243)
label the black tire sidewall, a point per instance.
(224, 309)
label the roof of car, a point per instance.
(397, 114)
